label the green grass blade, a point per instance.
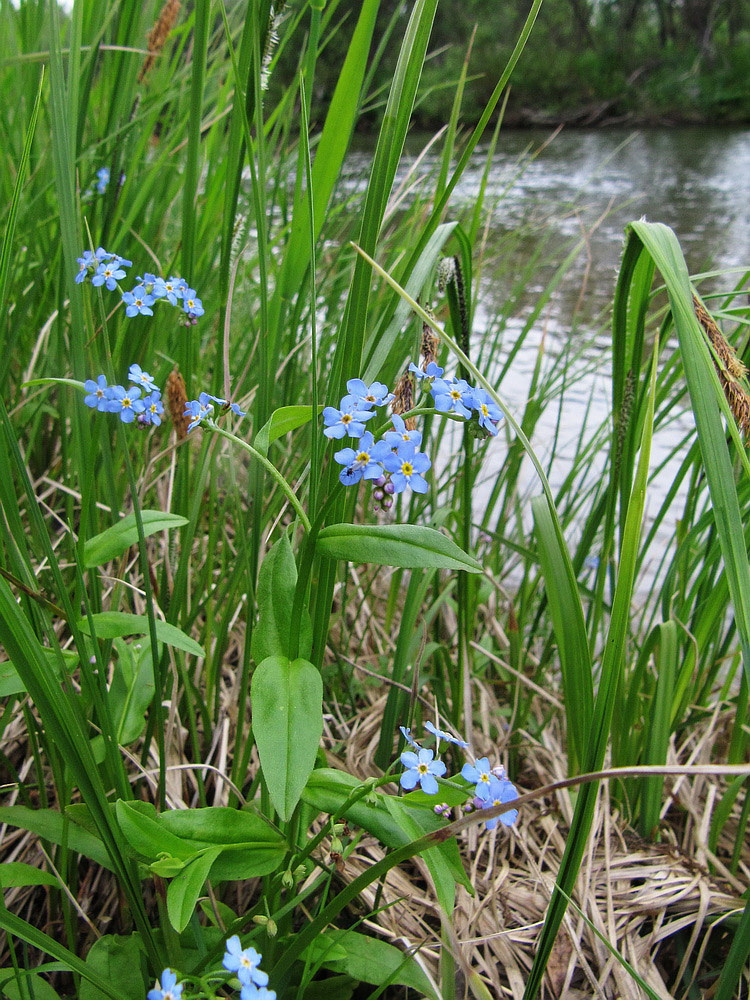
(705, 393)
(570, 631)
(611, 678)
(735, 964)
(10, 226)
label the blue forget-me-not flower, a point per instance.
(169, 988)
(421, 769)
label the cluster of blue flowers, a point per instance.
(108, 269)
(244, 963)
(101, 184)
(455, 395)
(141, 400)
(395, 462)
(202, 408)
(491, 786)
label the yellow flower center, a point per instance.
(346, 418)
(407, 468)
(485, 411)
(422, 768)
(126, 402)
(363, 457)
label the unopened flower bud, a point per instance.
(390, 488)
(287, 879)
(380, 481)
(378, 494)
(387, 503)
(263, 921)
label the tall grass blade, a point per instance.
(570, 631)
(610, 681)
(706, 398)
(10, 225)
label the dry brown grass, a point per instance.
(663, 905)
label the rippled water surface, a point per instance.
(542, 196)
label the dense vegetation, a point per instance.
(238, 576)
(587, 62)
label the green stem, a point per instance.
(269, 467)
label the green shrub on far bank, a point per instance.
(584, 63)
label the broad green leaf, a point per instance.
(282, 421)
(287, 706)
(121, 961)
(33, 986)
(131, 690)
(184, 890)
(117, 539)
(390, 820)
(53, 826)
(11, 683)
(25, 931)
(373, 961)
(275, 593)
(148, 838)
(443, 877)
(410, 546)
(247, 845)
(250, 845)
(16, 873)
(114, 624)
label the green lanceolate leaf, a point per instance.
(30, 985)
(10, 681)
(16, 873)
(120, 960)
(249, 845)
(51, 825)
(139, 824)
(369, 960)
(114, 624)
(410, 546)
(246, 845)
(117, 539)
(275, 594)
(282, 421)
(287, 704)
(185, 888)
(131, 690)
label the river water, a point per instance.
(545, 192)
